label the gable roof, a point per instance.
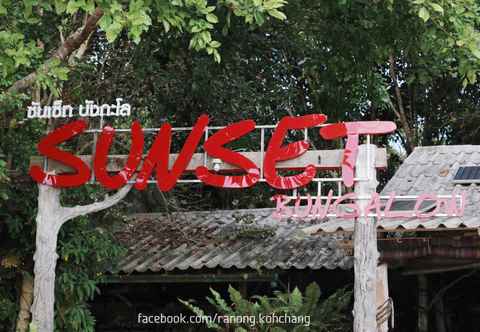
(225, 239)
(429, 169)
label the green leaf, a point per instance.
(62, 74)
(240, 329)
(90, 6)
(196, 29)
(216, 56)
(220, 303)
(200, 313)
(72, 7)
(273, 4)
(424, 14)
(105, 21)
(472, 76)
(259, 18)
(212, 18)
(436, 7)
(215, 44)
(277, 14)
(476, 53)
(166, 25)
(296, 298)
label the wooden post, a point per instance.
(383, 304)
(439, 306)
(243, 289)
(422, 303)
(365, 245)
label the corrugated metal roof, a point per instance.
(413, 224)
(428, 170)
(253, 239)
(225, 239)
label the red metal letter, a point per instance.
(275, 151)
(47, 147)
(214, 147)
(352, 130)
(101, 157)
(159, 156)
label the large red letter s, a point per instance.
(47, 147)
(275, 151)
(214, 146)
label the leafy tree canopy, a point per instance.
(414, 62)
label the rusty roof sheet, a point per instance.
(225, 239)
(429, 169)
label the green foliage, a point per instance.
(16, 53)
(8, 308)
(452, 29)
(50, 75)
(27, 29)
(4, 179)
(327, 315)
(86, 252)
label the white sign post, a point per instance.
(365, 244)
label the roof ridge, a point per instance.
(425, 147)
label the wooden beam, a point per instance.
(189, 278)
(322, 159)
(384, 309)
(441, 269)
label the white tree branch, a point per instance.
(81, 210)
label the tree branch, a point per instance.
(400, 112)
(442, 292)
(73, 42)
(81, 210)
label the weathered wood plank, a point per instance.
(322, 159)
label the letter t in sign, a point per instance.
(352, 130)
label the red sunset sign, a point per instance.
(158, 156)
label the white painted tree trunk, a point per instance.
(365, 245)
(45, 258)
(50, 218)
